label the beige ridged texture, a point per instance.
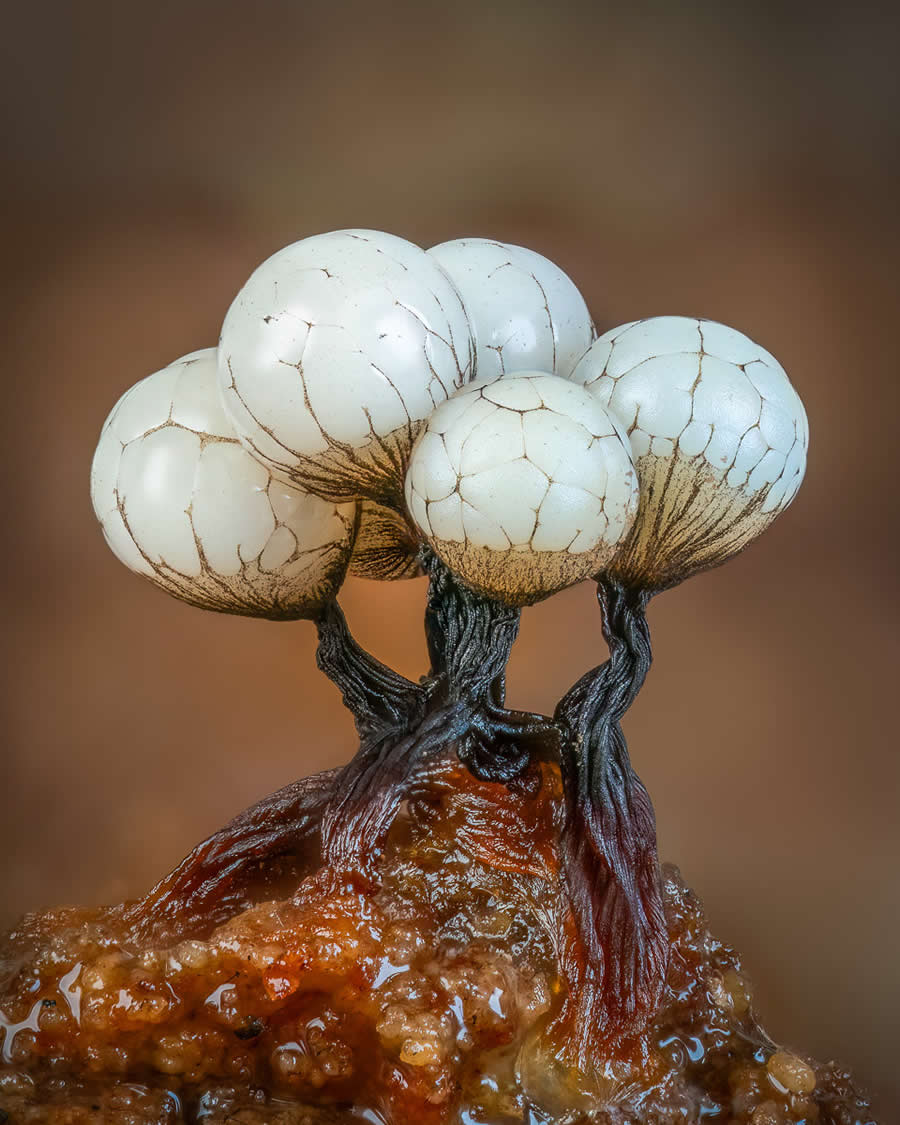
(516, 577)
(685, 524)
(386, 546)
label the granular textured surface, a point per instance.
(429, 995)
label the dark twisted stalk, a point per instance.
(609, 841)
(372, 786)
(285, 829)
(379, 698)
(469, 640)
(343, 817)
(385, 707)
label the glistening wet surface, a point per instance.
(430, 997)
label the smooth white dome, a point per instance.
(526, 314)
(183, 503)
(334, 354)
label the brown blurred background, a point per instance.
(740, 164)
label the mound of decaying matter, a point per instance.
(255, 985)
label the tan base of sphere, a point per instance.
(386, 546)
(519, 577)
(373, 470)
(254, 592)
(294, 590)
(689, 520)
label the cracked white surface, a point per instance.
(334, 354)
(526, 314)
(183, 503)
(522, 485)
(718, 433)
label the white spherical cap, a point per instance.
(719, 438)
(522, 485)
(526, 314)
(183, 503)
(334, 354)
(386, 546)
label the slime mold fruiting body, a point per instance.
(718, 433)
(346, 367)
(380, 410)
(182, 502)
(335, 353)
(522, 485)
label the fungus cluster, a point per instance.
(378, 409)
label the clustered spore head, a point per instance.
(368, 397)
